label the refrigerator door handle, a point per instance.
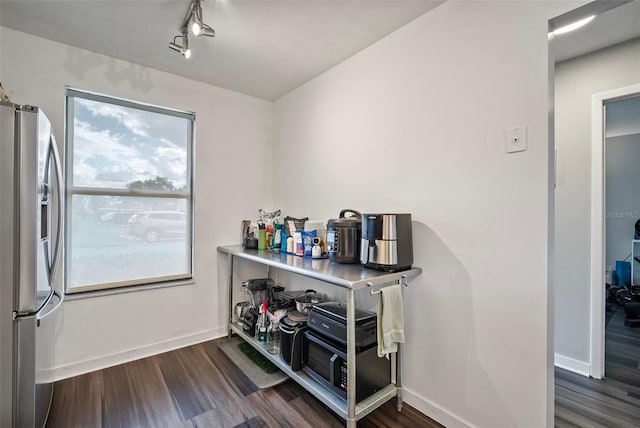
(58, 175)
(43, 314)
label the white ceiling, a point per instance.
(607, 29)
(263, 48)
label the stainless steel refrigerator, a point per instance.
(30, 252)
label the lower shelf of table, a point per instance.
(335, 403)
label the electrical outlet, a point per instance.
(516, 139)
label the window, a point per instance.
(129, 200)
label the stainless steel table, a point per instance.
(351, 277)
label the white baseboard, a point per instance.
(93, 364)
(432, 410)
(572, 365)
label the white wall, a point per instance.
(233, 180)
(416, 123)
(575, 82)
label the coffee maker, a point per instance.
(387, 242)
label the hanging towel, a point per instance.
(390, 320)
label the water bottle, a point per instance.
(262, 237)
(274, 338)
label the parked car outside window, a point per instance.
(155, 225)
(117, 217)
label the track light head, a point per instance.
(196, 28)
(199, 28)
(196, 16)
(184, 48)
(206, 31)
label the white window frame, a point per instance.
(188, 194)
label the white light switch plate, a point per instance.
(516, 139)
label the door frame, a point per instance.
(598, 235)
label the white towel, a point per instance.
(390, 320)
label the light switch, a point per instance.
(516, 139)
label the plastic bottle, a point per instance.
(262, 237)
(283, 239)
(274, 338)
(269, 236)
(261, 329)
(298, 248)
(277, 237)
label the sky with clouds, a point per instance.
(115, 145)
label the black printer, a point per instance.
(329, 319)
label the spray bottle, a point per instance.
(261, 330)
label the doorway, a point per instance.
(584, 62)
(615, 207)
(595, 59)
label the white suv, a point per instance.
(154, 225)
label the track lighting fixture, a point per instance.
(184, 48)
(198, 28)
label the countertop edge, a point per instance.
(321, 269)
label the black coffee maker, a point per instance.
(387, 242)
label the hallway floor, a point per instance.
(611, 402)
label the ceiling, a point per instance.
(607, 29)
(262, 48)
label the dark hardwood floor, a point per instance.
(610, 402)
(198, 386)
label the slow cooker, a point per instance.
(343, 237)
